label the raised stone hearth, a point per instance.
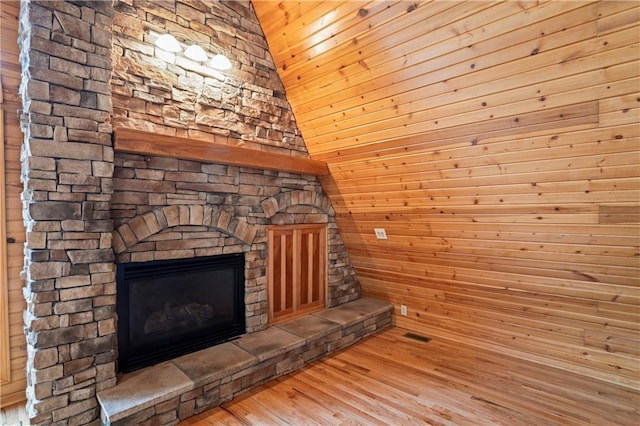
(172, 391)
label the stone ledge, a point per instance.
(172, 391)
(351, 313)
(211, 364)
(269, 343)
(143, 389)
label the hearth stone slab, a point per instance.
(310, 327)
(269, 343)
(168, 393)
(211, 364)
(351, 313)
(152, 385)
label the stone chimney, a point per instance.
(67, 160)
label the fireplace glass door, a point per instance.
(172, 307)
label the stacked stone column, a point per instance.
(67, 164)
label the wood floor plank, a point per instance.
(393, 379)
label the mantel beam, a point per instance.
(140, 142)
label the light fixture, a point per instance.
(169, 43)
(196, 53)
(220, 62)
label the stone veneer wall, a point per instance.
(67, 163)
(86, 64)
(166, 93)
(168, 209)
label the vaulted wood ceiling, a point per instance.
(497, 144)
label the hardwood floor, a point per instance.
(391, 379)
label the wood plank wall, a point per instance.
(497, 144)
(13, 391)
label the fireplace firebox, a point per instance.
(168, 308)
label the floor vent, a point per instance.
(418, 337)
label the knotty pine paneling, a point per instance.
(13, 391)
(498, 145)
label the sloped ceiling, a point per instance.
(362, 73)
(497, 144)
(351, 68)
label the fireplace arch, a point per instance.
(142, 227)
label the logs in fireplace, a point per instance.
(169, 308)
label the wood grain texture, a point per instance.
(5, 353)
(140, 142)
(297, 270)
(498, 144)
(392, 379)
(13, 391)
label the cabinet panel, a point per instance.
(297, 270)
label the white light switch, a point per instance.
(381, 234)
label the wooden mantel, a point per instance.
(140, 142)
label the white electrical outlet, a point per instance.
(381, 234)
(403, 310)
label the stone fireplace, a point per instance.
(89, 67)
(213, 210)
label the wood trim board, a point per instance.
(5, 355)
(141, 142)
(297, 270)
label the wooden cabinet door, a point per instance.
(297, 270)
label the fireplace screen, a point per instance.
(172, 307)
